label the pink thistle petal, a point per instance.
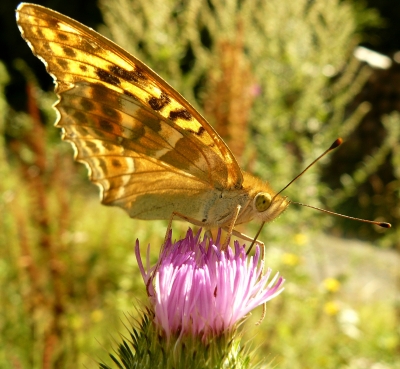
(205, 290)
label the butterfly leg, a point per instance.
(230, 229)
(262, 246)
(244, 237)
(252, 240)
(175, 214)
(264, 312)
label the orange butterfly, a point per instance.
(146, 147)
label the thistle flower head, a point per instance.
(198, 288)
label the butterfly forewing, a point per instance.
(108, 95)
(92, 111)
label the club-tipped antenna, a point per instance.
(335, 144)
(380, 224)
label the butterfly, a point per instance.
(145, 146)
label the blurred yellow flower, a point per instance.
(290, 259)
(331, 308)
(75, 321)
(300, 239)
(96, 316)
(331, 284)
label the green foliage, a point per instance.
(147, 348)
(334, 314)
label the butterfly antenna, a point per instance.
(380, 224)
(336, 144)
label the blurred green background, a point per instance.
(279, 81)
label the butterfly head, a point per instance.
(267, 207)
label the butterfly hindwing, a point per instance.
(122, 116)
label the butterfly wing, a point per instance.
(143, 143)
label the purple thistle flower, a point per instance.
(204, 291)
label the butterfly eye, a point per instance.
(262, 201)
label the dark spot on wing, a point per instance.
(198, 133)
(69, 52)
(106, 125)
(53, 22)
(110, 112)
(107, 77)
(98, 133)
(136, 132)
(127, 93)
(39, 33)
(116, 163)
(101, 92)
(80, 117)
(130, 76)
(140, 74)
(87, 105)
(180, 114)
(62, 63)
(108, 146)
(92, 147)
(126, 143)
(160, 102)
(46, 47)
(83, 67)
(149, 119)
(62, 36)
